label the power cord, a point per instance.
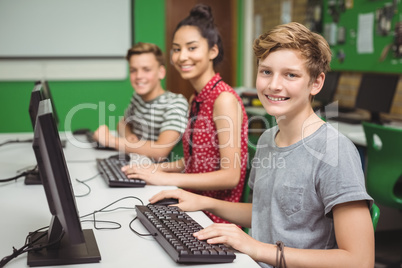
(30, 245)
(137, 233)
(84, 182)
(33, 171)
(15, 141)
(104, 210)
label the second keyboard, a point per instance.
(110, 169)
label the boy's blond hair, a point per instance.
(141, 48)
(312, 46)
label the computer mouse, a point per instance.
(81, 131)
(166, 202)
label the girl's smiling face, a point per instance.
(191, 55)
(284, 85)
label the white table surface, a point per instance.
(24, 209)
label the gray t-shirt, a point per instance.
(296, 187)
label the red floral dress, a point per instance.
(200, 141)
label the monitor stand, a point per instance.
(375, 118)
(65, 253)
(33, 178)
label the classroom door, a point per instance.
(224, 12)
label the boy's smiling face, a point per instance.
(145, 75)
(283, 84)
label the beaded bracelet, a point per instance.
(280, 260)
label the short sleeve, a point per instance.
(175, 116)
(341, 176)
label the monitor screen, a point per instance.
(69, 243)
(376, 93)
(327, 93)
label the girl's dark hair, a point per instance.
(201, 17)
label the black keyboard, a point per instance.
(174, 229)
(110, 169)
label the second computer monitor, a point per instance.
(376, 93)
(40, 92)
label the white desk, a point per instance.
(354, 132)
(24, 209)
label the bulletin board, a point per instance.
(364, 35)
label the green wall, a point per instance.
(240, 38)
(364, 62)
(96, 99)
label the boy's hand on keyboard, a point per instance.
(187, 201)
(232, 236)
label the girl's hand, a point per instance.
(147, 172)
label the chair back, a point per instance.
(375, 215)
(177, 152)
(384, 164)
(246, 190)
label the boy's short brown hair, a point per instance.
(312, 46)
(141, 48)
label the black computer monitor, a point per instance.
(41, 91)
(375, 94)
(327, 93)
(36, 97)
(70, 243)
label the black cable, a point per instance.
(30, 168)
(85, 184)
(30, 246)
(104, 210)
(28, 172)
(14, 178)
(137, 233)
(15, 141)
(17, 252)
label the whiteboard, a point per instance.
(65, 28)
